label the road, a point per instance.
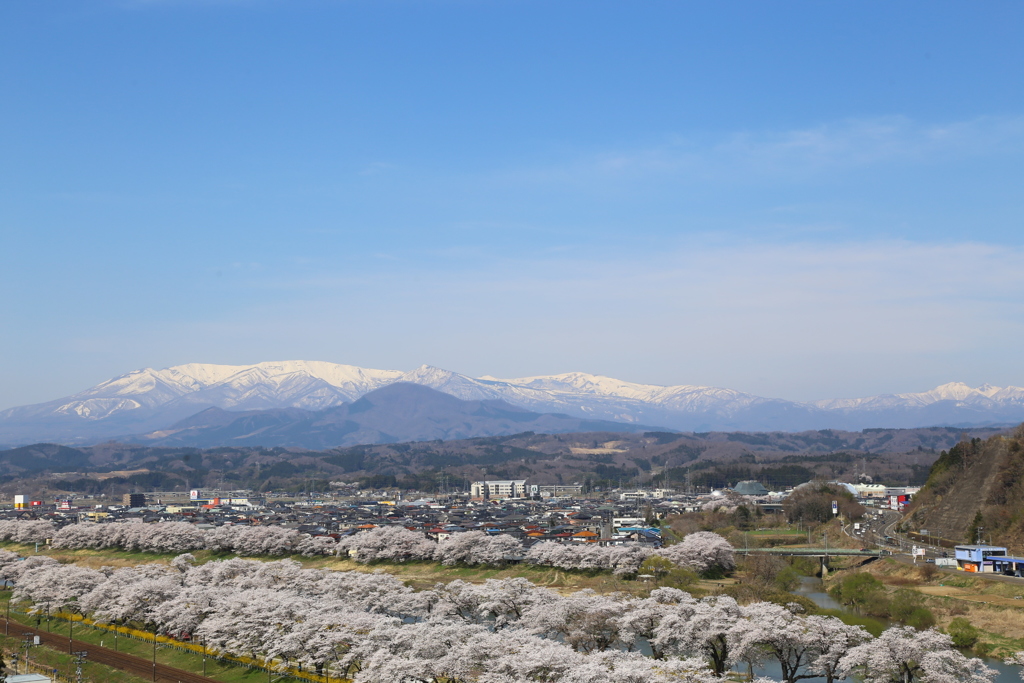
(138, 666)
(877, 528)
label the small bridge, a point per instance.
(812, 552)
(822, 553)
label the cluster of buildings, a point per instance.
(549, 518)
(872, 495)
(528, 511)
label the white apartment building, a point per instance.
(555, 490)
(656, 494)
(510, 488)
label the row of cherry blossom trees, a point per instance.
(178, 537)
(374, 629)
(26, 531)
(701, 551)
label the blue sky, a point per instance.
(797, 199)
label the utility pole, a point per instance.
(79, 658)
(28, 643)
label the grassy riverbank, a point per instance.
(990, 606)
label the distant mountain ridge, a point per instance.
(398, 412)
(146, 400)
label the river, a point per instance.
(812, 588)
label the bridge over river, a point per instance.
(812, 552)
(824, 554)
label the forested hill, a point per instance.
(977, 483)
(706, 460)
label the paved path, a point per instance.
(138, 666)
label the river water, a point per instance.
(812, 588)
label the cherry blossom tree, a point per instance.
(130, 593)
(832, 640)
(707, 628)
(1017, 658)
(390, 543)
(902, 654)
(26, 531)
(476, 547)
(507, 600)
(643, 617)
(255, 540)
(55, 587)
(585, 620)
(703, 551)
(13, 571)
(780, 634)
(424, 652)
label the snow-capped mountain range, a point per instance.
(150, 399)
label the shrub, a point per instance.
(920, 618)
(963, 633)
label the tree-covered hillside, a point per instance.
(976, 483)
(593, 459)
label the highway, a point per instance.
(883, 523)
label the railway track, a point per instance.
(144, 668)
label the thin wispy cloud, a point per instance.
(706, 314)
(793, 154)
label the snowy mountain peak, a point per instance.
(953, 391)
(428, 373)
(149, 399)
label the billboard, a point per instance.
(193, 494)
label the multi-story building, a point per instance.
(511, 488)
(134, 500)
(555, 490)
